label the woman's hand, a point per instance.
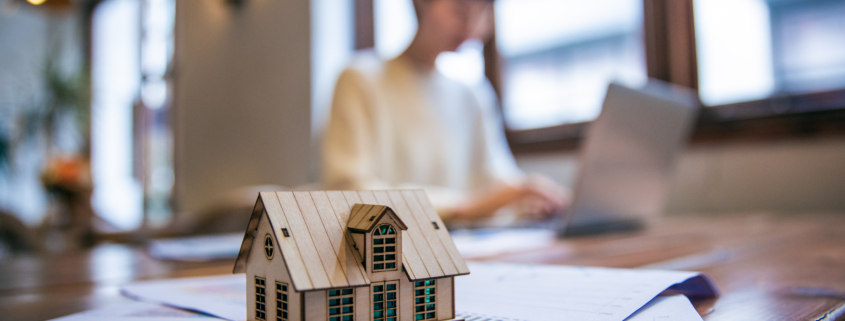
(534, 196)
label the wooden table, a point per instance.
(767, 267)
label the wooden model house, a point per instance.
(348, 255)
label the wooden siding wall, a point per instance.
(272, 271)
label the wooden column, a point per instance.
(364, 25)
(669, 32)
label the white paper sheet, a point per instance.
(495, 290)
(197, 248)
(137, 311)
(223, 296)
(544, 292)
(662, 308)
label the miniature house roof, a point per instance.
(311, 233)
(363, 218)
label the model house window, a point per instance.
(424, 305)
(268, 246)
(340, 305)
(384, 248)
(260, 299)
(281, 301)
(384, 301)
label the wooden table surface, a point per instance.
(767, 267)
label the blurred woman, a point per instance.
(402, 124)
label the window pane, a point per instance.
(560, 55)
(733, 40)
(753, 49)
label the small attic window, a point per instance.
(285, 232)
(384, 248)
(268, 246)
(372, 218)
(436, 227)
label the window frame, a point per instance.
(341, 295)
(260, 298)
(669, 32)
(385, 299)
(425, 285)
(282, 301)
(384, 253)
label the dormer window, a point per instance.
(384, 248)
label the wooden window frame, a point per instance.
(281, 301)
(260, 298)
(384, 245)
(425, 286)
(669, 39)
(384, 300)
(340, 296)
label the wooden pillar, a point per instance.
(669, 32)
(364, 25)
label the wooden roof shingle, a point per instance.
(318, 252)
(364, 217)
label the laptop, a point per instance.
(627, 158)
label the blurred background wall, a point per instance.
(242, 97)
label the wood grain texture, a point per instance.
(358, 214)
(427, 230)
(413, 233)
(444, 293)
(352, 197)
(352, 268)
(299, 230)
(367, 197)
(300, 277)
(341, 208)
(335, 271)
(316, 305)
(417, 200)
(363, 303)
(420, 259)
